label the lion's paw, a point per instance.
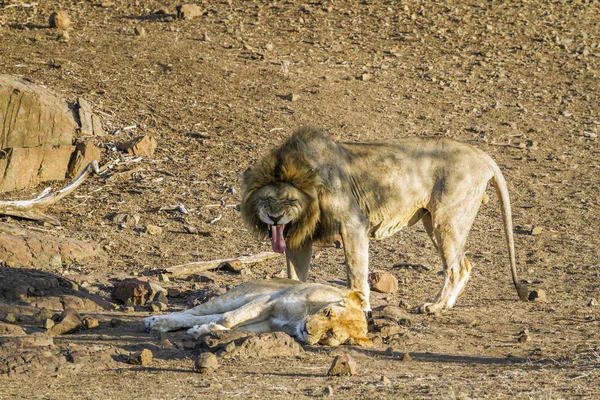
(430, 308)
(200, 330)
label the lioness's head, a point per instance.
(280, 200)
(343, 323)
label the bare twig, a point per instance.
(200, 266)
(34, 208)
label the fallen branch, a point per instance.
(34, 209)
(201, 266)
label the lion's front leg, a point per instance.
(177, 320)
(356, 248)
(298, 262)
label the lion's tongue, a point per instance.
(277, 240)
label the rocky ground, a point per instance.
(519, 80)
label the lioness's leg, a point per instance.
(356, 249)
(451, 236)
(178, 320)
(298, 262)
(428, 224)
(255, 311)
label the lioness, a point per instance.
(312, 188)
(310, 312)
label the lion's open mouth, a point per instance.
(277, 234)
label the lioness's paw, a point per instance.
(156, 323)
(200, 330)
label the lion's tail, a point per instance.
(502, 190)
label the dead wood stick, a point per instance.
(33, 209)
(200, 266)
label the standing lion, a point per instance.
(312, 188)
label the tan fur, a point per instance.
(321, 188)
(311, 312)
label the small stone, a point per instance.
(59, 20)
(141, 146)
(107, 4)
(174, 292)
(385, 380)
(48, 323)
(153, 229)
(163, 278)
(128, 309)
(63, 36)
(536, 230)
(205, 38)
(157, 306)
(291, 97)
(136, 290)
(90, 323)
(524, 336)
(592, 303)
(116, 323)
(143, 358)
(383, 282)
(10, 318)
(342, 366)
(397, 314)
(206, 363)
(189, 11)
(538, 296)
(327, 391)
(269, 46)
(365, 77)
(406, 357)
(139, 31)
(69, 322)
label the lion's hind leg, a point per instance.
(450, 237)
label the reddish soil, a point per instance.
(519, 80)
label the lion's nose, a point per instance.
(274, 219)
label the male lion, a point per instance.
(312, 188)
(310, 312)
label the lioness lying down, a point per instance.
(310, 312)
(312, 188)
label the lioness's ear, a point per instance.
(355, 298)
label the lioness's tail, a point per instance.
(502, 190)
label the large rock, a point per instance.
(134, 290)
(37, 132)
(26, 248)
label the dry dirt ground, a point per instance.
(519, 80)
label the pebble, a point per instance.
(524, 336)
(143, 358)
(10, 318)
(128, 309)
(153, 229)
(269, 46)
(383, 282)
(592, 303)
(536, 230)
(538, 295)
(205, 38)
(69, 322)
(406, 357)
(328, 391)
(59, 20)
(342, 366)
(206, 363)
(48, 323)
(365, 77)
(291, 97)
(139, 31)
(90, 323)
(116, 323)
(385, 380)
(189, 11)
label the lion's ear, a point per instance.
(355, 298)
